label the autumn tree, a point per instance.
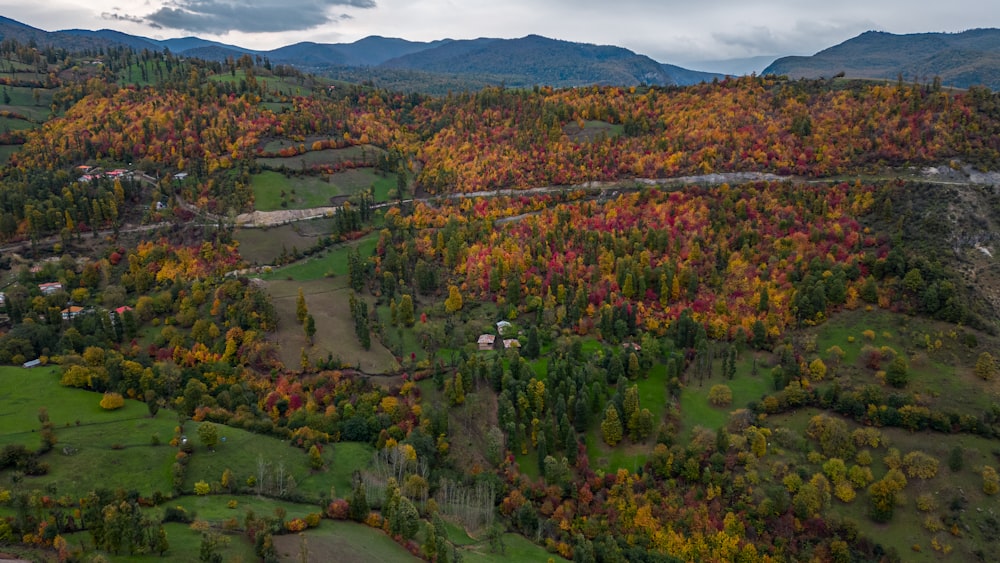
(315, 458)
(985, 366)
(720, 395)
(991, 481)
(112, 401)
(454, 301)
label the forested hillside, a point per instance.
(751, 320)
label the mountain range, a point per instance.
(958, 59)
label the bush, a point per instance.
(112, 401)
(720, 395)
(178, 514)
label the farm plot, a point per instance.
(329, 303)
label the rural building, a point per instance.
(49, 288)
(3, 299)
(71, 312)
(486, 341)
(509, 343)
(503, 327)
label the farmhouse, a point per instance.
(486, 341)
(71, 312)
(49, 288)
(509, 343)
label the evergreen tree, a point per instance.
(611, 427)
(532, 349)
(300, 307)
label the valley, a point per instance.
(750, 319)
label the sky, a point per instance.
(691, 33)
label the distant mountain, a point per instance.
(406, 64)
(539, 60)
(959, 59)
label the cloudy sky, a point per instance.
(682, 32)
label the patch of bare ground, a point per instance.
(328, 301)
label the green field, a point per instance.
(342, 541)
(28, 390)
(6, 151)
(310, 158)
(185, 545)
(274, 190)
(264, 246)
(332, 263)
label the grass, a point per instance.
(185, 545)
(215, 508)
(6, 151)
(310, 158)
(273, 189)
(242, 449)
(695, 407)
(264, 246)
(329, 303)
(28, 390)
(517, 549)
(342, 541)
(333, 263)
(122, 449)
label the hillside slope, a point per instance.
(539, 60)
(961, 60)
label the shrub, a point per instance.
(178, 514)
(991, 481)
(112, 401)
(720, 395)
(202, 488)
(338, 509)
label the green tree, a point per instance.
(310, 328)
(315, 458)
(405, 310)
(611, 426)
(358, 503)
(881, 501)
(208, 433)
(300, 307)
(630, 411)
(532, 347)
(897, 374)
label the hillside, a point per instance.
(752, 319)
(961, 60)
(429, 67)
(539, 60)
